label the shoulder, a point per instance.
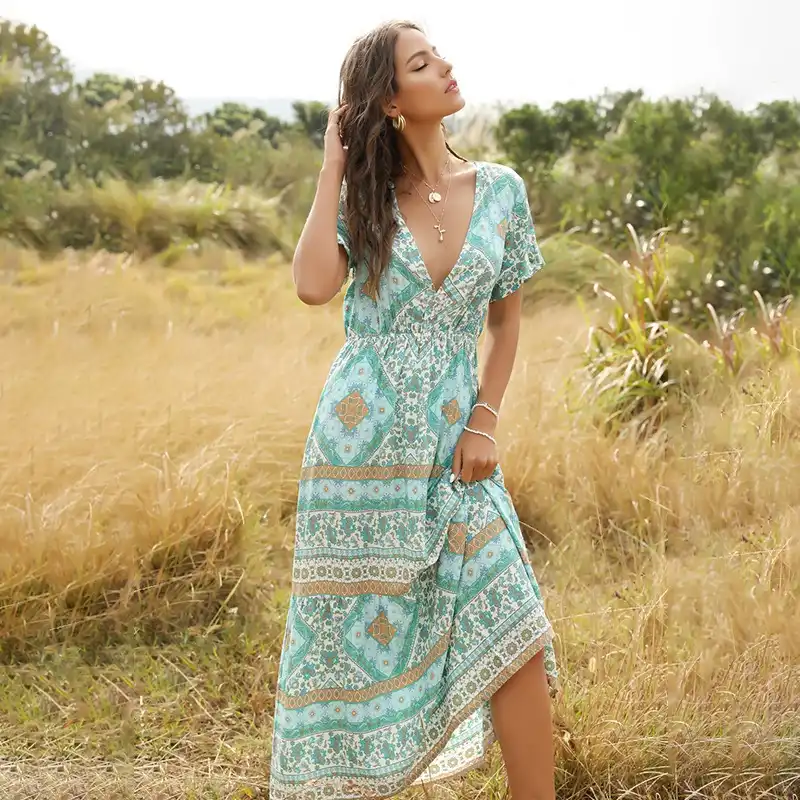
(504, 183)
(502, 174)
(505, 186)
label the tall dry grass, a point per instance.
(152, 429)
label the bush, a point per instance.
(630, 374)
(627, 361)
(119, 217)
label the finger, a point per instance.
(467, 469)
(456, 468)
(337, 112)
(334, 117)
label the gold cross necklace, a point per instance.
(438, 226)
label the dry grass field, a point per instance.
(152, 423)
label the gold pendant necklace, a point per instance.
(433, 194)
(438, 225)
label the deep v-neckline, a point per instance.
(419, 259)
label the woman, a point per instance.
(416, 633)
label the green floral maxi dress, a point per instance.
(413, 598)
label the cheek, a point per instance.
(419, 89)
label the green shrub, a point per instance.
(146, 220)
(626, 375)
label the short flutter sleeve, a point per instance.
(342, 232)
(522, 258)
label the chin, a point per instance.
(456, 104)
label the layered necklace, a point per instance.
(433, 195)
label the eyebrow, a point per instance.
(420, 53)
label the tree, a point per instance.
(311, 119)
(40, 60)
(779, 124)
(138, 129)
(232, 119)
(614, 106)
(658, 137)
(529, 137)
(35, 104)
(731, 141)
(578, 124)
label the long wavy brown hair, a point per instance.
(367, 81)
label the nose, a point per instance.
(448, 67)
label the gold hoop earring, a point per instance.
(399, 123)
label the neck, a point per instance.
(424, 151)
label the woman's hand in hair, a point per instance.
(335, 149)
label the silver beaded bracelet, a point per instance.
(480, 433)
(486, 405)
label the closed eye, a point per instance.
(425, 65)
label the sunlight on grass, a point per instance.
(153, 424)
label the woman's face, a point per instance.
(426, 89)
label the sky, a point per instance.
(503, 52)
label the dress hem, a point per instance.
(537, 645)
(415, 776)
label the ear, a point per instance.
(390, 109)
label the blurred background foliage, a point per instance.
(120, 164)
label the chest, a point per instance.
(439, 230)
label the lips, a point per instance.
(451, 87)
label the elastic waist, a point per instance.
(417, 331)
